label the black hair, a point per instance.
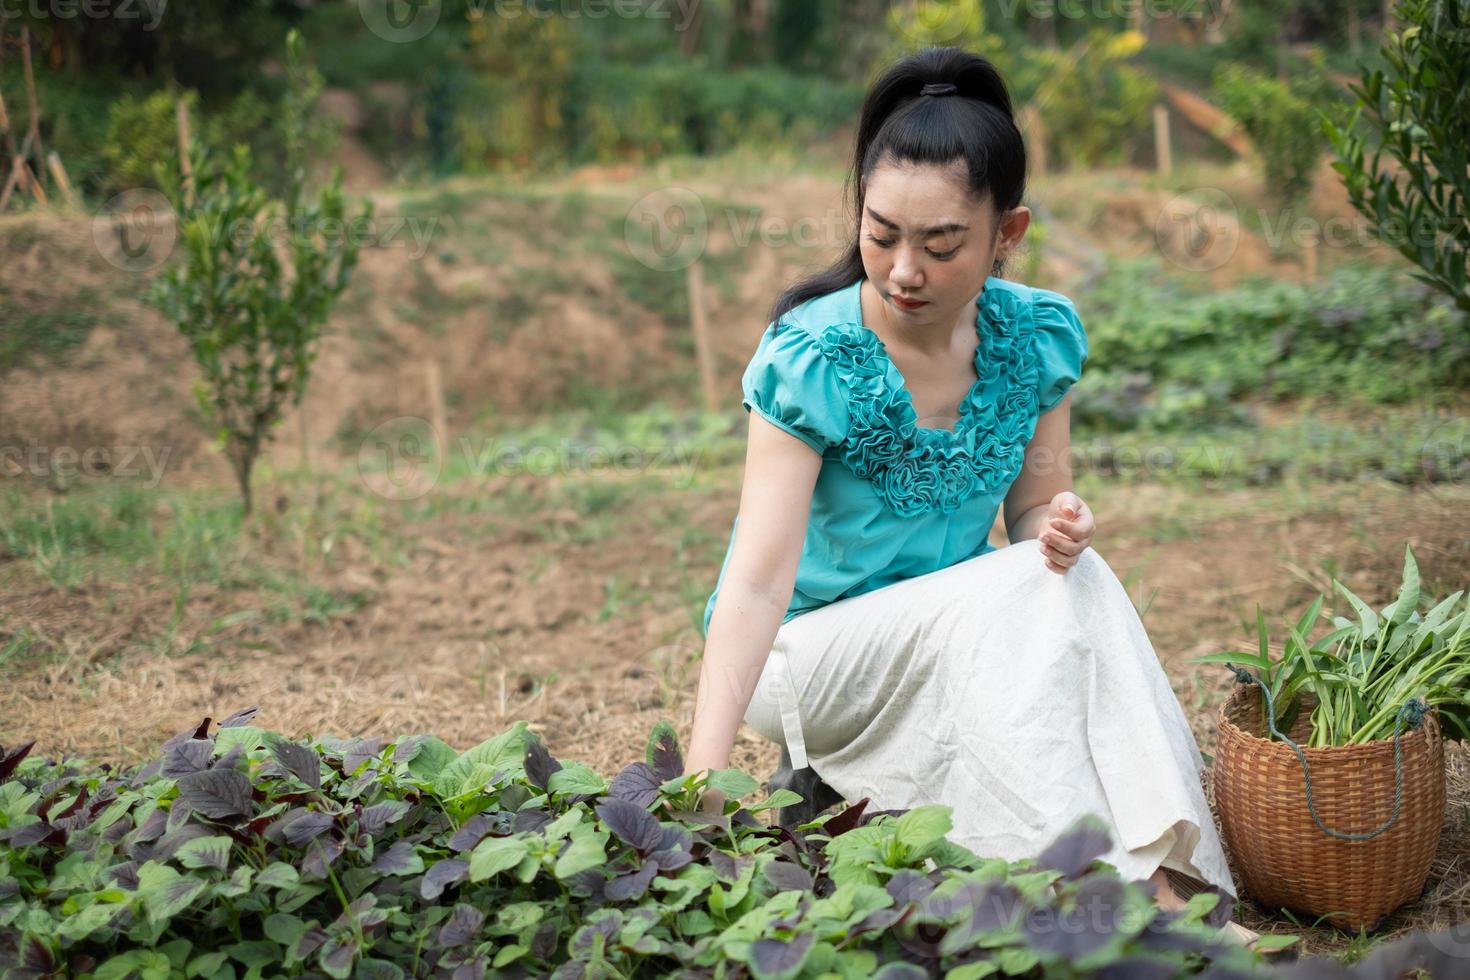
(975, 124)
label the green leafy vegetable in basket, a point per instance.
(1365, 670)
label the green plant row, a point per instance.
(239, 853)
(1162, 355)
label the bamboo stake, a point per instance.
(58, 174)
(694, 280)
(181, 109)
(436, 406)
(4, 114)
(34, 135)
(32, 184)
(1035, 138)
(10, 182)
(1162, 154)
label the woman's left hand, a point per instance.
(1066, 530)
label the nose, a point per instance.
(906, 272)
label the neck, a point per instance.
(933, 337)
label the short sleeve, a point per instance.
(793, 385)
(1061, 346)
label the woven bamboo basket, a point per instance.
(1284, 858)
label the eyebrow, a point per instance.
(928, 232)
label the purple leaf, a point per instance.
(374, 818)
(10, 759)
(36, 957)
(607, 922)
(1074, 851)
(231, 758)
(215, 793)
(310, 941)
(470, 833)
(463, 923)
(338, 953)
(400, 859)
(239, 719)
(450, 871)
(664, 756)
(529, 821)
(908, 885)
(637, 783)
(302, 762)
(788, 877)
(168, 845)
(630, 887)
(1138, 968)
(471, 969)
(539, 763)
(306, 825)
(635, 825)
(671, 860)
(360, 750)
(187, 757)
(841, 823)
(320, 854)
(776, 956)
(34, 833)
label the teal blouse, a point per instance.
(894, 499)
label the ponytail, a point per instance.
(911, 115)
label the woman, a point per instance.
(861, 616)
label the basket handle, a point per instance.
(1414, 709)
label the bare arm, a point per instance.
(775, 504)
(1046, 472)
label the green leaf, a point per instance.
(503, 753)
(780, 798)
(588, 849)
(284, 929)
(732, 782)
(165, 892)
(433, 755)
(206, 852)
(923, 826)
(575, 779)
(496, 854)
(278, 874)
(1408, 599)
(142, 964)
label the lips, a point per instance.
(908, 304)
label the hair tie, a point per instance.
(939, 88)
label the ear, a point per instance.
(1013, 225)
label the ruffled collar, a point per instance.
(916, 468)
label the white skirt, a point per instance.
(1021, 698)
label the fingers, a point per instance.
(1060, 546)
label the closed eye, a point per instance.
(941, 256)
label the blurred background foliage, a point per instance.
(528, 85)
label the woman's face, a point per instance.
(922, 237)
